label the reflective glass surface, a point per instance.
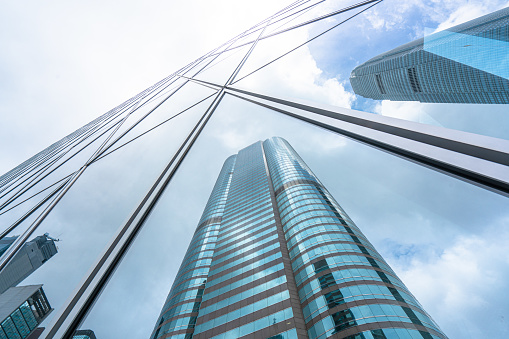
(377, 247)
(385, 227)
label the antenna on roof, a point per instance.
(47, 236)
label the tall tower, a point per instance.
(30, 257)
(275, 256)
(468, 63)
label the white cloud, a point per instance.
(69, 62)
(407, 110)
(468, 276)
(63, 64)
(297, 75)
(473, 118)
(469, 11)
(417, 15)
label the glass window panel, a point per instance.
(13, 216)
(296, 74)
(222, 66)
(181, 100)
(20, 323)
(10, 329)
(295, 16)
(268, 49)
(377, 37)
(441, 210)
(139, 108)
(435, 231)
(57, 168)
(98, 204)
(28, 315)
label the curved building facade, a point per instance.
(284, 260)
(180, 310)
(468, 63)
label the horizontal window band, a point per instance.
(382, 325)
(237, 277)
(333, 268)
(265, 236)
(246, 319)
(274, 330)
(242, 253)
(245, 263)
(170, 334)
(294, 183)
(357, 303)
(235, 306)
(208, 222)
(342, 268)
(227, 242)
(309, 236)
(352, 283)
(332, 242)
(179, 316)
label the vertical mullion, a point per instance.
(117, 248)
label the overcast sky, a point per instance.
(63, 63)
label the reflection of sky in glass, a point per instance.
(410, 215)
(442, 236)
(93, 209)
(488, 55)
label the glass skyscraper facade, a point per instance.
(468, 63)
(275, 256)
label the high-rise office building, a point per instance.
(275, 256)
(22, 309)
(30, 257)
(105, 185)
(468, 63)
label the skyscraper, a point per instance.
(275, 256)
(106, 185)
(468, 63)
(30, 257)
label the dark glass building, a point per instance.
(275, 256)
(468, 63)
(22, 309)
(84, 334)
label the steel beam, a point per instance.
(76, 308)
(478, 159)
